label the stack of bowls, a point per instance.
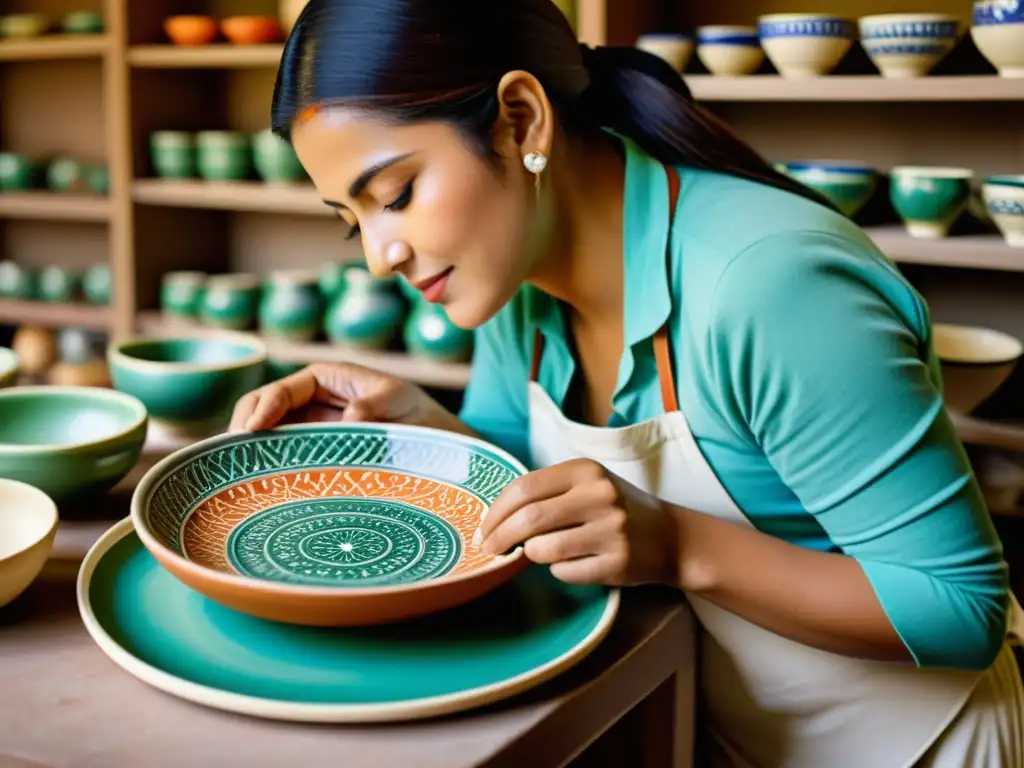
(729, 51)
(998, 32)
(1004, 200)
(904, 45)
(802, 45)
(849, 185)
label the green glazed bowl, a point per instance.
(9, 367)
(275, 159)
(848, 185)
(173, 154)
(17, 171)
(83, 23)
(189, 385)
(223, 155)
(929, 200)
(72, 443)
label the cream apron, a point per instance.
(771, 702)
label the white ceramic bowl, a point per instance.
(28, 525)
(804, 45)
(906, 45)
(998, 32)
(728, 50)
(675, 49)
(1004, 201)
(975, 362)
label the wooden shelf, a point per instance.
(54, 206)
(216, 56)
(1004, 436)
(231, 196)
(962, 251)
(50, 47)
(19, 312)
(855, 88)
(424, 372)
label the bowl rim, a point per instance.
(96, 393)
(1009, 339)
(850, 167)
(777, 17)
(145, 488)
(116, 353)
(45, 502)
(882, 18)
(933, 171)
(1011, 180)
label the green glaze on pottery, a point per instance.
(332, 280)
(231, 301)
(202, 472)
(275, 159)
(344, 543)
(173, 154)
(430, 334)
(70, 442)
(9, 367)
(369, 314)
(56, 284)
(291, 307)
(847, 186)
(65, 174)
(97, 179)
(131, 602)
(931, 196)
(16, 282)
(97, 284)
(223, 155)
(17, 172)
(181, 293)
(185, 382)
(83, 23)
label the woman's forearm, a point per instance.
(819, 599)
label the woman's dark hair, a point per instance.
(413, 60)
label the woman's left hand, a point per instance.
(588, 524)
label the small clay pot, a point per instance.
(251, 30)
(191, 29)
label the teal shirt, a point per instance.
(805, 368)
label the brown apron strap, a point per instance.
(662, 348)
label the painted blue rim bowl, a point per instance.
(806, 25)
(994, 12)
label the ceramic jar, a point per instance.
(430, 334)
(173, 154)
(96, 284)
(181, 293)
(275, 159)
(291, 307)
(231, 301)
(369, 314)
(289, 11)
(223, 155)
(57, 284)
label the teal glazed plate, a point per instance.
(329, 524)
(519, 635)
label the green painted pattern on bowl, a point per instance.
(9, 367)
(185, 381)
(70, 442)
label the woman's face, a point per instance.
(426, 206)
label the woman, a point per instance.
(720, 383)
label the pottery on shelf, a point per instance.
(848, 185)
(17, 172)
(57, 284)
(223, 155)
(369, 314)
(289, 11)
(78, 346)
(975, 362)
(729, 50)
(188, 385)
(332, 280)
(35, 347)
(292, 307)
(83, 23)
(16, 282)
(182, 293)
(675, 49)
(231, 301)
(9, 367)
(998, 32)
(904, 45)
(429, 334)
(97, 284)
(65, 174)
(275, 160)
(251, 30)
(929, 200)
(802, 45)
(28, 527)
(97, 178)
(349, 524)
(1004, 201)
(72, 443)
(191, 29)
(173, 154)
(21, 25)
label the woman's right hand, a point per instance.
(340, 392)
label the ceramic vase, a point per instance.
(231, 301)
(291, 307)
(369, 314)
(430, 334)
(181, 293)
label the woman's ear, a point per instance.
(526, 119)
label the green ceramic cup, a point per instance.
(83, 23)
(231, 301)
(65, 174)
(848, 185)
(16, 282)
(275, 159)
(182, 292)
(369, 314)
(173, 154)
(189, 385)
(17, 172)
(72, 443)
(292, 307)
(929, 200)
(97, 284)
(430, 334)
(9, 367)
(223, 155)
(56, 284)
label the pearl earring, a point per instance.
(535, 162)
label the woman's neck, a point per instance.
(585, 269)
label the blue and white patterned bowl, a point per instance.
(729, 51)
(998, 32)
(804, 45)
(1004, 200)
(906, 45)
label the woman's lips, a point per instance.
(433, 288)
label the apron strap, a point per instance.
(662, 347)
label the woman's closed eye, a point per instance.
(399, 203)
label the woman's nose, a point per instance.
(386, 258)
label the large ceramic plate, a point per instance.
(171, 637)
(329, 524)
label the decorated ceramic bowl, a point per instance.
(849, 185)
(728, 50)
(329, 524)
(975, 362)
(998, 32)
(1004, 201)
(28, 525)
(70, 442)
(804, 45)
(929, 199)
(906, 45)
(9, 367)
(675, 49)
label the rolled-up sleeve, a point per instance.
(820, 351)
